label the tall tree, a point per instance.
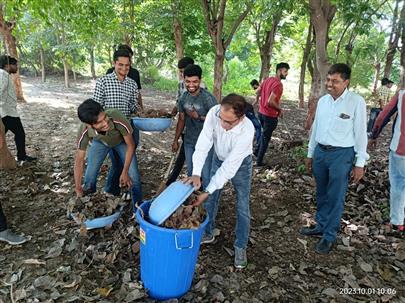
(6, 28)
(304, 62)
(394, 38)
(214, 15)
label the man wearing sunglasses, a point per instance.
(231, 133)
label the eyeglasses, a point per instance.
(230, 123)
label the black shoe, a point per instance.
(311, 231)
(323, 246)
(28, 159)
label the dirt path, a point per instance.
(59, 265)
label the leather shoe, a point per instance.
(323, 246)
(311, 231)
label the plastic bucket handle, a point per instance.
(182, 237)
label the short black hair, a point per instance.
(193, 70)
(89, 110)
(254, 82)
(340, 68)
(7, 60)
(184, 62)
(282, 65)
(121, 53)
(236, 102)
(127, 48)
(385, 81)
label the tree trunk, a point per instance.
(266, 49)
(316, 84)
(393, 41)
(92, 64)
(402, 60)
(377, 67)
(214, 16)
(42, 58)
(6, 29)
(321, 14)
(305, 56)
(74, 75)
(218, 74)
(178, 40)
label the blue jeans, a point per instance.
(241, 183)
(113, 178)
(95, 157)
(397, 189)
(331, 169)
(206, 171)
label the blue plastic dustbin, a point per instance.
(168, 257)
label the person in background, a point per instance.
(101, 132)
(230, 133)
(6, 235)
(381, 99)
(337, 147)
(255, 85)
(270, 110)
(194, 105)
(8, 106)
(396, 158)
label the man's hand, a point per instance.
(372, 143)
(175, 146)
(357, 174)
(174, 111)
(193, 180)
(125, 180)
(280, 113)
(200, 199)
(308, 165)
(79, 191)
(193, 114)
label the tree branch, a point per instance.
(237, 23)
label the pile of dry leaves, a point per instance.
(186, 217)
(154, 113)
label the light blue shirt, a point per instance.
(341, 123)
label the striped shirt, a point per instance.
(112, 93)
(396, 105)
(119, 127)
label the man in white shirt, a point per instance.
(8, 106)
(338, 141)
(231, 133)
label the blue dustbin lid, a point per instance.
(168, 201)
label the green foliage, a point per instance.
(165, 84)
(299, 153)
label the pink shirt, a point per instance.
(270, 85)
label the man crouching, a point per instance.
(104, 131)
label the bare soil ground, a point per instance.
(60, 265)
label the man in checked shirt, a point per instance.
(116, 90)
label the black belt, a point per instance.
(329, 147)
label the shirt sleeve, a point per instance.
(83, 138)
(211, 102)
(360, 133)
(204, 143)
(99, 92)
(180, 104)
(231, 165)
(122, 124)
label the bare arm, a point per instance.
(272, 102)
(78, 171)
(140, 102)
(179, 130)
